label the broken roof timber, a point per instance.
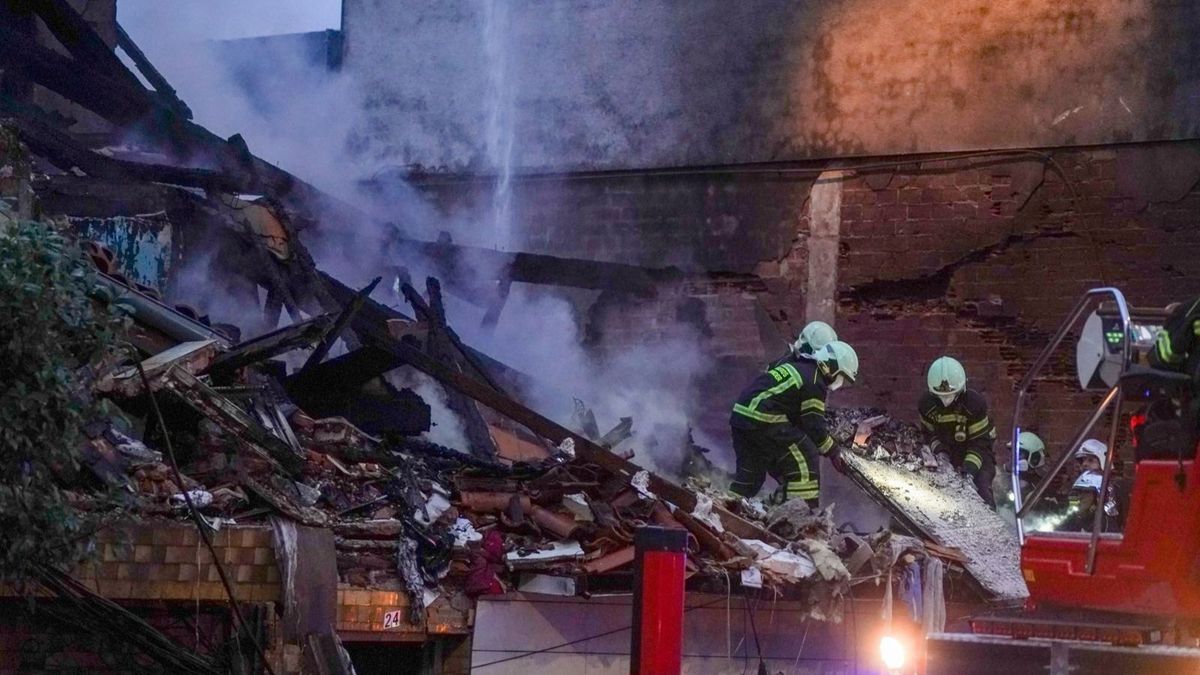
(585, 449)
(458, 262)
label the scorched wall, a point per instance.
(979, 259)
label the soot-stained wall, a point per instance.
(473, 85)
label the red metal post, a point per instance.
(660, 555)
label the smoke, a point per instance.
(292, 110)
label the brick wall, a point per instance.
(363, 610)
(979, 259)
(167, 561)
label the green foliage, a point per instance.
(52, 335)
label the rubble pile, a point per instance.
(276, 425)
(889, 459)
(414, 516)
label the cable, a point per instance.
(753, 627)
(781, 167)
(583, 639)
(201, 524)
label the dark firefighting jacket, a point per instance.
(790, 392)
(963, 429)
(1175, 346)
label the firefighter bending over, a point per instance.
(778, 422)
(955, 420)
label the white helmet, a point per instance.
(1093, 448)
(1032, 451)
(946, 379)
(838, 361)
(812, 338)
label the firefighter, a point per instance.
(815, 335)
(955, 420)
(1083, 499)
(778, 423)
(1175, 345)
(1032, 457)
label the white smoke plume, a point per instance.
(307, 119)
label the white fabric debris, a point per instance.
(567, 447)
(704, 512)
(755, 508)
(439, 503)
(933, 598)
(641, 483)
(752, 578)
(761, 548)
(464, 532)
(200, 499)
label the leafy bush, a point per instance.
(52, 336)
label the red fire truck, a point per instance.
(1104, 601)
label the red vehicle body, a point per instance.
(1104, 602)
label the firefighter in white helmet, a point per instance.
(813, 337)
(778, 422)
(956, 423)
(1084, 497)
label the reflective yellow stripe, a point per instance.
(760, 416)
(751, 410)
(798, 490)
(950, 418)
(794, 373)
(825, 445)
(1196, 328)
(813, 404)
(1163, 344)
(800, 462)
(973, 459)
(978, 427)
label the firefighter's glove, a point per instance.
(839, 462)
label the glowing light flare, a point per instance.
(892, 652)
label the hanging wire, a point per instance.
(201, 524)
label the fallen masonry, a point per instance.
(889, 460)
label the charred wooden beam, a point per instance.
(83, 43)
(343, 320)
(371, 327)
(336, 388)
(270, 345)
(74, 80)
(62, 150)
(464, 262)
(434, 315)
(163, 88)
(440, 346)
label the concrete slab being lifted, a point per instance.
(945, 509)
